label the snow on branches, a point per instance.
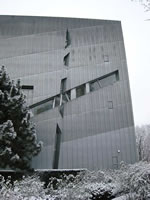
(18, 140)
(128, 182)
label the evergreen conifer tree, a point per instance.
(18, 140)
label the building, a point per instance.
(74, 73)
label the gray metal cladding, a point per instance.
(13, 26)
(97, 128)
(91, 152)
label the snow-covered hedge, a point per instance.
(29, 188)
(103, 185)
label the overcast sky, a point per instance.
(136, 31)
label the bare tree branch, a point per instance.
(144, 3)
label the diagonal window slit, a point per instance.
(65, 96)
(68, 39)
(66, 59)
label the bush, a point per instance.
(128, 180)
(131, 181)
(26, 189)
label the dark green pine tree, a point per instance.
(18, 140)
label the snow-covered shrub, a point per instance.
(86, 185)
(130, 181)
(30, 188)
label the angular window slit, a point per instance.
(43, 107)
(68, 39)
(104, 81)
(63, 85)
(66, 59)
(66, 96)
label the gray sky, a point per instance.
(136, 31)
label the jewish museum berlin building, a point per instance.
(74, 74)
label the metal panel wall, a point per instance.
(98, 127)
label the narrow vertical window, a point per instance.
(63, 98)
(68, 40)
(66, 59)
(63, 85)
(57, 147)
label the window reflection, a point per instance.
(108, 80)
(80, 91)
(94, 86)
(44, 107)
(104, 81)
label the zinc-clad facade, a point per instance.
(89, 123)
